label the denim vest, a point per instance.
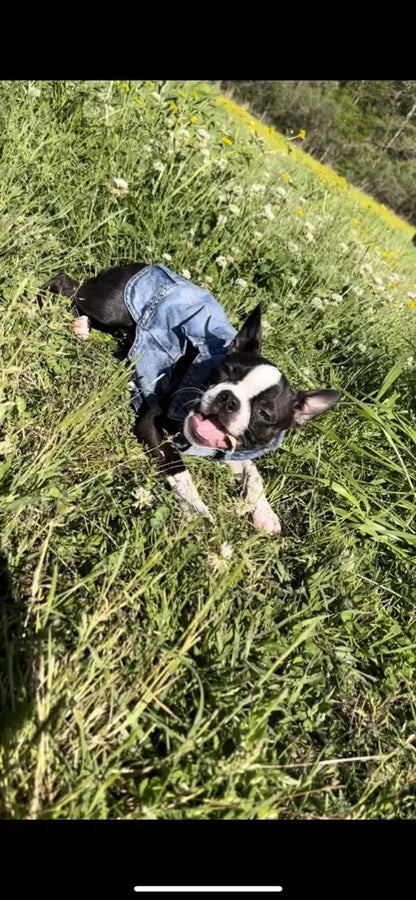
(169, 311)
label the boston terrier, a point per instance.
(200, 387)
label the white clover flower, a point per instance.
(268, 212)
(206, 156)
(167, 257)
(281, 191)
(337, 298)
(205, 135)
(216, 563)
(309, 226)
(33, 91)
(183, 132)
(158, 165)
(156, 96)
(241, 282)
(410, 361)
(209, 279)
(222, 220)
(226, 550)
(309, 236)
(344, 247)
(149, 147)
(235, 210)
(143, 498)
(258, 188)
(366, 269)
(221, 261)
(221, 163)
(258, 235)
(317, 303)
(293, 280)
(186, 273)
(120, 184)
(411, 295)
(237, 190)
(358, 291)
(378, 280)
(266, 327)
(302, 200)
(294, 248)
(362, 348)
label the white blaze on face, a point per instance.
(255, 382)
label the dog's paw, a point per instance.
(187, 496)
(81, 328)
(265, 519)
(194, 507)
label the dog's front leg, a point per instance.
(148, 431)
(248, 476)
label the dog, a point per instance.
(201, 388)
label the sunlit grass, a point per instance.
(152, 667)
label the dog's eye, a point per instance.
(264, 415)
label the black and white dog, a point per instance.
(215, 395)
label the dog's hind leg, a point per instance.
(59, 284)
(246, 474)
(66, 286)
(81, 327)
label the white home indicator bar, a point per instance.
(207, 889)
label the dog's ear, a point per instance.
(312, 403)
(248, 339)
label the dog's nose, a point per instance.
(227, 400)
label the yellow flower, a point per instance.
(150, 83)
(411, 303)
(285, 175)
(194, 120)
(226, 140)
(252, 128)
(300, 212)
(173, 105)
(181, 93)
(137, 100)
(125, 86)
(356, 221)
(302, 134)
(195, 95)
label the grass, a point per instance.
(152, 667)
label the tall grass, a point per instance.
(152, 667)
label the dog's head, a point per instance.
(248, 400)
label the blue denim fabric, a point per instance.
(169, 311)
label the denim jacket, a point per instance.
(169, 311)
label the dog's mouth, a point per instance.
(208, 431)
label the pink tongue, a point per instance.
(209, 431)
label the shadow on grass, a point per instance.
(17, 653)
